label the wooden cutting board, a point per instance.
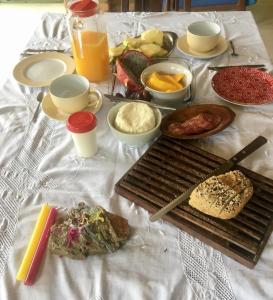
(169, 167)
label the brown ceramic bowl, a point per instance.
(183, 114)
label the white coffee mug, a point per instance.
(203, 36)
(70, 93)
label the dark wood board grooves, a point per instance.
(169, 167)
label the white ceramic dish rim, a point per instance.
(238, 103)
(62, 115)
(200, 55)
(19, 69)
(170, 64)
(190, 28)
(158, 118)
(56, 86)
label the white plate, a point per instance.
(39, 70)
(55, 113)
(183, 47)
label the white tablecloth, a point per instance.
(39, 164)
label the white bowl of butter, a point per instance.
(134, 124)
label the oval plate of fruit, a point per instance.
(152, 42)
(197, 121)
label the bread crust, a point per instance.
(222, 196)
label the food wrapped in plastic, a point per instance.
(84, 231)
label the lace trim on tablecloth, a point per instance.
(203, 266)
(21, 176)
(204, 269)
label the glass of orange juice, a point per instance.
(89, 39)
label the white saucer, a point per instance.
(39, 70)
(183, 47)
(55, 113)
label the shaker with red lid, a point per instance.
(82, 126)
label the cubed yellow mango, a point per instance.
(170, 79)
(158, 85)
(163, 82)
(178, 77)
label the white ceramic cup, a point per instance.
(203, 36)
(70, 93)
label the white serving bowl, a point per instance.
(167, 98)
(133, 139)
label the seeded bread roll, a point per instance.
(222, 196)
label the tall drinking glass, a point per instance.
(88, 36)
